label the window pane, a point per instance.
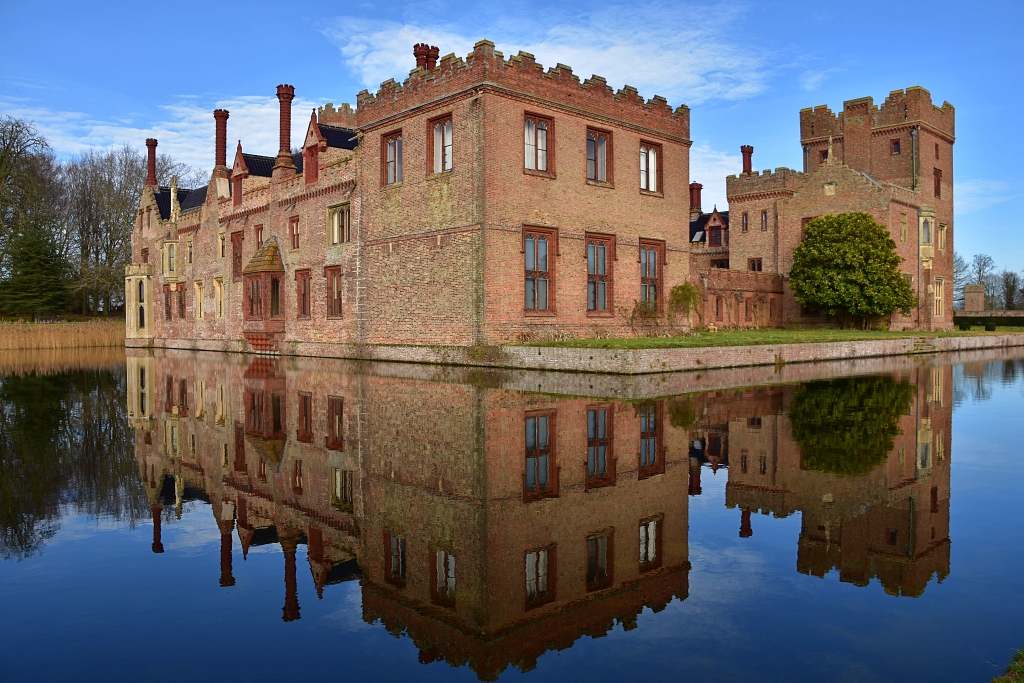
(602, 152)
(542, 147)
(591, 157)
(601, 296)
(542, 294)
(652, 176)
(438, 147)
(448, 145)
(530, 253)
(643, 168)
(542, 254)
(591, 259)
(600, 259)
(643, 263)
(531, 433)
(531, 151)
(602, 456)
(531, 473)
(531, 303)
(398, 160)
(591, 461)
(542, 432)
(602, 426)
(652, 263)
(591, 295)
(542, 474)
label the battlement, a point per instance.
(910, 106)
(781, 179)
(344, 116)
(486, 68)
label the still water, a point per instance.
(223, 517)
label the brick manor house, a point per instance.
(486, 200)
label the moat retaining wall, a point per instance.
(619, 361)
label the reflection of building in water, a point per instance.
(490, 525)
(889, 522)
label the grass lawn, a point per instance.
(768, 336)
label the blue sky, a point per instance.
(102, 74)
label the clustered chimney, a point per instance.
(285, 95)
(151, 162)
(748, 152)
(426, 56)
(221, 116)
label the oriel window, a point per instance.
(275, 297)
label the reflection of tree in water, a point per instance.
(848, 426)
(975, 381)
(64, 441)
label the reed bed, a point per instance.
(53, 361)
(62, 335)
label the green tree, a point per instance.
(35, 274)
(848, 426)
(848, 267)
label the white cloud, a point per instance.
(812, 80)
(709, 168)
(977, 194)
(185, 131)
(682, 53)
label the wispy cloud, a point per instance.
(682, 53)
(978, 194)
(709, 168)
(185, 129)
(812, 79)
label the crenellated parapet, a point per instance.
(344, 116)
(486, 69)
(910, 107)
(782, 180)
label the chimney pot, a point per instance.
(748, 152)
(151, 162)
(432, 58)
(420, 51)
(221, 116)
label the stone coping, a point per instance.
(620, 361)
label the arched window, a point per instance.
(142, 317)
(142, 292)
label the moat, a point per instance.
(250, 518)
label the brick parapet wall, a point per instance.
(521, 76)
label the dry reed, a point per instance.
(63, 335)
(53, 361)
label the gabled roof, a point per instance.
(698, 226)
(336, 136)
(267, 259)
(187, 199)
(260, 165)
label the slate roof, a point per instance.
(262, 166)
(187, 200)
(267, 259)
(336, 136)
(698, 226)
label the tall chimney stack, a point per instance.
(285, 95)
(221, 116)
(432, 57)
(748, 152)
(420, 51)
(695, 189)
(151, 162)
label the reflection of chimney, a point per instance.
(748, 152)
(151, 162)
(221, 116)
(745, 530)
(420, 51)
(695, 189)
(158, 546)
(285, 95)
(226, 527)
(432, 57)
(694, 488)
(291, 595)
